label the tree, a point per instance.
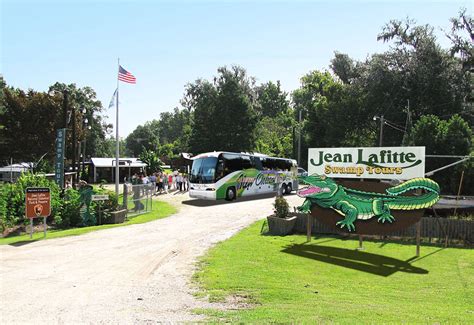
(224, 111)
(144, 137)
(344, 67)
(37, 115)
(463, 45)
(89, 108)
(200, 98)
(274, 136)
(424, 73)
(152, 160)
(443, 137)
(271, 99)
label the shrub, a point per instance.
(12, 202)
(70, 213)
(281, 207)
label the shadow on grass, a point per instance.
(353, 259)
(208, 203)
(24, 242)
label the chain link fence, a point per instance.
(137, 199)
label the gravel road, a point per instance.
(135, 274)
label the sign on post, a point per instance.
(100, 197)
(59, 157)
(368, 162)
(38, 205)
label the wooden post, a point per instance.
(44, 227)
(459, 192)
(418, 239)
(309, 226)
(361, 247)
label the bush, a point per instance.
(12, 201)
(65, 208)
(281, 207)
(70, 213)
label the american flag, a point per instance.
(125, 76)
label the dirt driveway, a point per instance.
(135, 274)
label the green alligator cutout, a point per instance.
(354, 204)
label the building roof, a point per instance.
(124, 162)
(16, 168)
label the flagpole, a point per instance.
(117, 140)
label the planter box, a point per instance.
(280, 226)
(117, 216)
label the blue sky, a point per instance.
(167, 44)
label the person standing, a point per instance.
(153, 182)
(170, 181)
(175, 179)
(165, 182)
(185, 182)
(179, 181)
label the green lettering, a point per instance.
(410, 157)
(373, 158)
(337, 157)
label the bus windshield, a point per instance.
(203, 170)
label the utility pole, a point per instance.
(299, 138)
(407, 124)
(382, 122)
(74, 143)
(65, 108)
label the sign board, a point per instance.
(372, 226)
(368, 162)
(38, 202)
(59, 157)
(100, 197)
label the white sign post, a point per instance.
(368, 162)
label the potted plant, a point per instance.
(281, 223)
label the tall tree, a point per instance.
(443, 137)
(272, 99)
(200, 98)
(144, 137)
(224, 111)
(37, 115)
(462, 38)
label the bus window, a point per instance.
(232, 163)
(246, 163)
(256, 162)
(203, 170)
(220, 169)
(269, 164)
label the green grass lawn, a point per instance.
(286, 280)
(160, 210)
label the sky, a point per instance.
(168, 44)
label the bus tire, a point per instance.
(289, 188)
(283, 189)
(230, 194)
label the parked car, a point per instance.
(302, 172)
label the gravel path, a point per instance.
(135, 274)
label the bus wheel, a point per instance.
(289, 189)
(283, 189)
(230, 194)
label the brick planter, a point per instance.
(281, 226)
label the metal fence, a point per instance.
(137, 199)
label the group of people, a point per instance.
(163, 182)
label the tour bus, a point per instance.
(228, 175)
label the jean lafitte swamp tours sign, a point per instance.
(367, 207)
